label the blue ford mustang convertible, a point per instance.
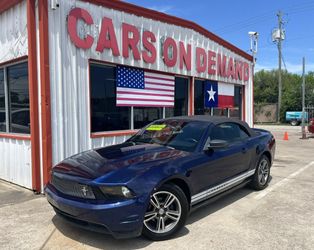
(149, 184)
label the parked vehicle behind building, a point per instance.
(295, 117)
(311, 126)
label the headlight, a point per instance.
(117, 191)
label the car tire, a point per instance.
(166, 213)
(294, 123)
(261, 178)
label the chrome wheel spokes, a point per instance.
(154, 201)
(164, 212)
(174, 215)
(150, 216)
(263, 172)
(170, 199)
(160, 224)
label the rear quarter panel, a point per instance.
(265, 144)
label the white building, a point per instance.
(58, 78)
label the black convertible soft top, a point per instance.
(214, 120)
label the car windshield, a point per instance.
(178, 134)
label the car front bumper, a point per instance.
(122, 219)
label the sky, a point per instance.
(232, 20)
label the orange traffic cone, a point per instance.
(286, 137)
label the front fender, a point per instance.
(147, 183)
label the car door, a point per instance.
(220, 165)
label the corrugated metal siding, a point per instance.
(107, 141)
(15, 155)
(15, 161)
(13, 33)
(69, 90)
(69, 75)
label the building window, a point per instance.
(19, 98)
(234, 110)
(199, 102)
(105, 115)
(2, 103)
(14, 99)
(144, 116)
(181, 98)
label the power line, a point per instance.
(294, 9)
(284, 63)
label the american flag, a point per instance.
(138, 88)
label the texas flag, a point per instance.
(218, 95)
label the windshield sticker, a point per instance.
(156, 127)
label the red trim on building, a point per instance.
(45, 89)
(116, 133)
(15, 136)
(253, 95)
(13, 61)
(191, 97)
(7, 4)
(244, 103)
(33, 93)
(158, 16)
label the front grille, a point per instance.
(71, 188)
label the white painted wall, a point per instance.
(15, 161)
(13, 33)
(15, 155)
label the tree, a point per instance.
(266, 90)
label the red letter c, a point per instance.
(74, 15)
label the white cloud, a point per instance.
(161, 8)
(259, 67)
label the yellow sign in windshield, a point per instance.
(156, 127)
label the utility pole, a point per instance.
(254, 39)
(279, 15)
(303, 100)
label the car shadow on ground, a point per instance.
(99, 240)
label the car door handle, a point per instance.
(244, 150)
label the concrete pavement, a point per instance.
(280, 217)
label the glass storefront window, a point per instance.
(199, 103)
(220, 112)
(19, 98)
(2, 103)
(199, 107)
(236, 111)
(105, 115)
(181, 98)
(144, 116)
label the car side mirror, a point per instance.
(216, 144)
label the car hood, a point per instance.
(127, 159)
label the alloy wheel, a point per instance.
(164, 212)
(263, 172)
